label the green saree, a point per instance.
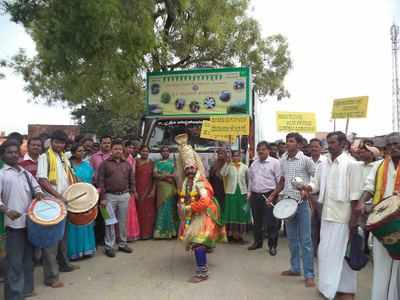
(166, 221)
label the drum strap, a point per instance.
(30, 184)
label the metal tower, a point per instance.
(394, 33)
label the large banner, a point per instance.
(354, 107)
(304, 122)
(199, 92)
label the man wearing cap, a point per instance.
(338, 182)
(201, 227)
(381, 183)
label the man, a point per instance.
(216, 179)
(87, 143)
(17, 187)
(381, 183)
(55, 175)
(30, 161)
(282, 148)
(100, 156)
(264, 175)
(274, 150)
(295, 164)
(368, 156)
(315, 151)
(96, 160)
(198, 209)
(338, 182)
(116, 182)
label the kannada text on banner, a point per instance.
(304, 122)
(354, 107)
(199, 92)
(225, 128)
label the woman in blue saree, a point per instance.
(81, 239)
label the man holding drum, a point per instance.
(338, 181)
(55, 175)
(295, 164)
(382, 182)
(15, 197)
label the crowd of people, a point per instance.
(177, 198)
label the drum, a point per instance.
(285, 209)
(384, 223)
(46, 222)
(83, 218)
(81, 203)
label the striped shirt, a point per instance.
(297, 166)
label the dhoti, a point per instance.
(386, 278)
(334, 273)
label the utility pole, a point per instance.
(394, 33)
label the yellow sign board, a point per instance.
(232, 125)
(304, 122)
(208, 133)
(354, 107)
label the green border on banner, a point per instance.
(243, 71)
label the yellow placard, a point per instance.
(354, 107)
(304, 122)
(233, 126)
(207, 133)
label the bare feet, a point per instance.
(309, 282)
(290, 273)
(57, 284)
(197, 279)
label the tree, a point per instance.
(97, 52)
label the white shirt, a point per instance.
(339, 183)
(15, 193)
(62, 179)
(235, 176)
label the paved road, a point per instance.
(160, 269)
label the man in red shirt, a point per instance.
(35, 148)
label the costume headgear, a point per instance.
(187, 156)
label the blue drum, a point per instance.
(46, 222)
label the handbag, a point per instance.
(355, 256)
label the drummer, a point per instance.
(337, 180)
(55, 175)
(15, 197)
(386, 276)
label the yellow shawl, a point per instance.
(52, 167)
(381, 181)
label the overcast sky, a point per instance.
(340, 48)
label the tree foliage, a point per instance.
(92, 53)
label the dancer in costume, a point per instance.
(199, 211)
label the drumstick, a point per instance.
(267, 200)
(76, 198)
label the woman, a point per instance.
(236, 214)
(164, 173)
(81, 240)
(215, 178)
(2, 230)
(132, 223)
(145, 203)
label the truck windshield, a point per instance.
(165, 131)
